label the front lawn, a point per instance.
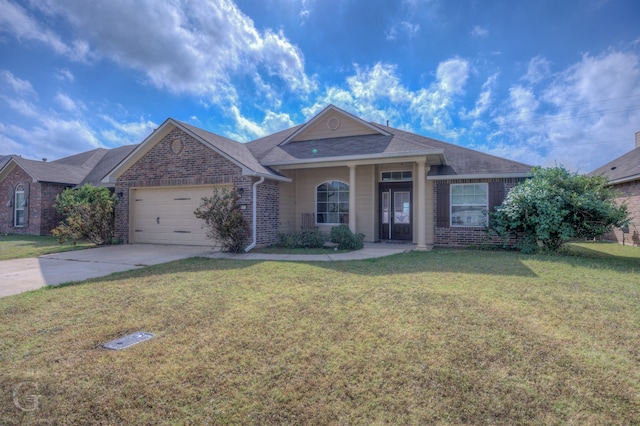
(22, 246)
(441, 337)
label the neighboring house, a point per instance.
(624, 176)
(28, 188)
(385, 183)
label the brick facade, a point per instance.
(629, 194)
(193, 164)
(462, 236)
(42, 215)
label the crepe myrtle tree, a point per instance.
(224, 219)
(554, 206)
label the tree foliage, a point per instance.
(88, 213)
(227, 225)
(555, 205)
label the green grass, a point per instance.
(22, 246)
(440, 337)
(296, 251)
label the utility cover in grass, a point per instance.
(129, 340)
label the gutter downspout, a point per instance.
(255, 216)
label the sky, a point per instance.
(544, 82)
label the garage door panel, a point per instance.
(165, 216)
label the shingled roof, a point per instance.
(86, 167)
(623, 169)
(455, 161)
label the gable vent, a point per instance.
(333, 123)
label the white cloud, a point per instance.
(404, 28)
(125, 133)
(15, 20)
(583, 117)
(539, 68)
(54, 138)
(16, 84)
(484, 100)
(246, 129)
(479, 31)
(186, 47)
(65, 74)
(65, 102)
(21, 106)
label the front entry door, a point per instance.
(396, 219)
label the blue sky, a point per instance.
(542, 82)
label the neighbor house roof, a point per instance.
(623, 169)
(86, 167)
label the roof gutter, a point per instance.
(254, 233)
(480, 176)
(623, 180)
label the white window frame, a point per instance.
(340, 201)
(19, 206)
(404, 176)
(474, 206)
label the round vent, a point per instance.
(333, 123)
(176, 146)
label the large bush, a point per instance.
(345, 239)
(88, 214)
(554, 206)
(227, 225)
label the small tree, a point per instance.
(555, 205)
(224, 218)
(88, 213)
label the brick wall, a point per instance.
(194, 164)
(461, 236)
(630, 194)
(49, 216)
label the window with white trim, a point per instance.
(332, 202)
(469, 204)
(397, 176)
(19, 205)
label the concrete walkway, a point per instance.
(19, 275)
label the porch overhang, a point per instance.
(432, 157)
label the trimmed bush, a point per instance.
(304, 239)
(345, 239)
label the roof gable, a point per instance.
(331, 123)
(236, 152)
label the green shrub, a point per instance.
(554, 206)
(345, 239)
(222, 214)
(304, 239)
(88, 213)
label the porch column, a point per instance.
(430, 214)
(422, 206)
(352, 198)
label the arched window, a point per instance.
(332, 202)
(19, 205)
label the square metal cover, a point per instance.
(129, 340)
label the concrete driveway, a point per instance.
(21, 275)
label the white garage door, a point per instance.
(165, 215)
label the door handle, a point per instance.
(158, 220)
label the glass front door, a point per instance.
(395, 212)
